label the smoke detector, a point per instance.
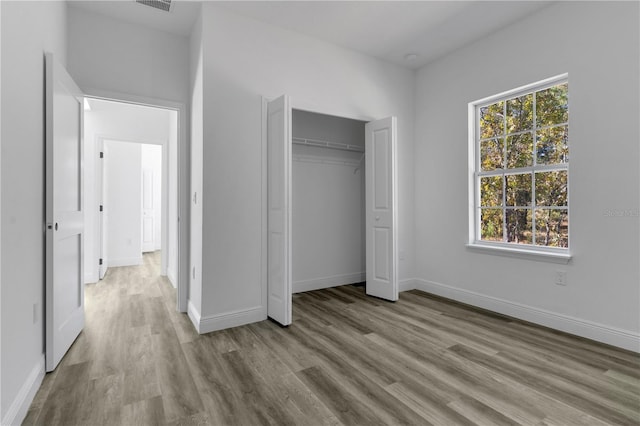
(164, 5)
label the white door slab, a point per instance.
(103, 221)
(279, 210)
(381, 209)
(148, 211)
(64, 212)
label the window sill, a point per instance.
(521, 253)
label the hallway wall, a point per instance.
(28, 30)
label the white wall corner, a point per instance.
(194, 316)
(230, 319)
(327, 282)
(20, 406)
(624, 339)
(407, 284)
(171, 275)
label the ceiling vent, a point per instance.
(164, 5)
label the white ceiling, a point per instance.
(387, 30)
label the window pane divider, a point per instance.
(524, 170)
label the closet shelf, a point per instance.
(327, 144)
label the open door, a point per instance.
(101, 184)
(279, 210)
(148, 211)
(64, 295)
(381, 209)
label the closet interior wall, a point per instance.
(328, 223)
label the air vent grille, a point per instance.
(157, 4)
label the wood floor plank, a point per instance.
(346, 359)
(146, 412)
(476, 411)
(219, 395)
(103, 401)
(348, 409)
(589, 403)
(255, 393)
(65, 402)
(179, 394)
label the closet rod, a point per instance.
(327, 144)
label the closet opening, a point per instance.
(330, 191)
(328, 201)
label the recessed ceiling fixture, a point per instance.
(410, 57)
(164, 5)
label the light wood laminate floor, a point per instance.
(346, 359)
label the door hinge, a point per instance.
(101, 154)
(99, 261)
(100, 207)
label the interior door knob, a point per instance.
(377, 217)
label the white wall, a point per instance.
(123, 206)
(28, 29)
(131, 123)
(243, 61)
(151, 161)
(121, 57)
(132, 62)
(328, 224)
(597, 44)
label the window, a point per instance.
(520, 168)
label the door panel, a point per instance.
(381, 209)
(279, 210)
(104, 213)
(148, 211)
(64, 296)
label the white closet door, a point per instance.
(64, 295)
(279, 210)
(381, 209)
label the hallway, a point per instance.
(128, 358)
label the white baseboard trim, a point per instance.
(591, 330)
(226, 320)
(326, 282)
(125, 261)
(171, 275)
(20, 406)
(194, 315)
(231, 319)
(406, 285)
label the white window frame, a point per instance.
(528, 251)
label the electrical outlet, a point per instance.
(561, 278)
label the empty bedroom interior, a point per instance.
(490, 326)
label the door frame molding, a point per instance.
(164, 221)
(182, 248)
